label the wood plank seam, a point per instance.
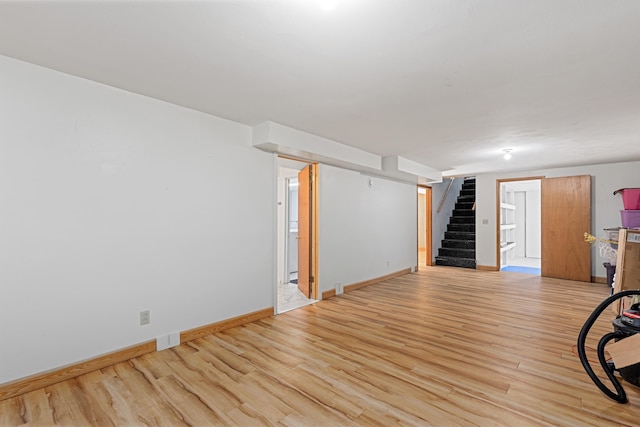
(387, 354)
(44, 379)
(332, 292)
(358, 285)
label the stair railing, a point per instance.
(446, 193)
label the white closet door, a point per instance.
(533, 246)
(520, 201)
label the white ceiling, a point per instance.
(446, 83)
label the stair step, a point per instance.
(459, 235)
(457, 253)
(464, 212)
(466, 199)
(458, 246)
(463, 244)
(462, 220)
(464, 205)
(462, 227)
(456, 262)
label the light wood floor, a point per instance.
(444, 347)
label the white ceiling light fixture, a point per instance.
(507, 153)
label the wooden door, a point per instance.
(566, 216)
(304, 230)
(429, 225)
(424, 226)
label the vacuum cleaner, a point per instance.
(624, 326)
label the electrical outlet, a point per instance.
(145, 317)
(339, 288)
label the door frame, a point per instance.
(315, 294)
(498, 201)
(428, 226)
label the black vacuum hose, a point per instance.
(609, 368)
(620, 396)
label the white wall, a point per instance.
(112, 203)
(361, 228)
(605, 207)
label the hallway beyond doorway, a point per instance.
(290, 297)
(524, 265)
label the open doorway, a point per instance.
(425, 257)
(520, 222)
(296, 235)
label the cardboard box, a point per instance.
(625, 352)
(627, 266)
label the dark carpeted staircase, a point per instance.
(459, 244)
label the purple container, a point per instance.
(630, 218)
